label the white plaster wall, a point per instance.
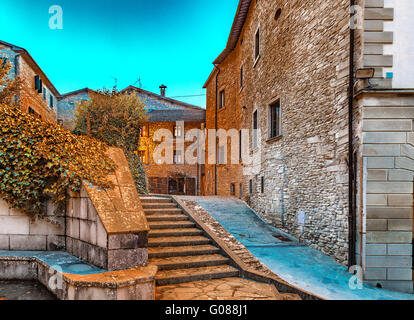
(403, 46)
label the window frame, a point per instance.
(275, 132)
(257, 45)
(222, 99)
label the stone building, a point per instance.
(38, 95)
(333, 161)
(178, 117)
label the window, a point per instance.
(143, 131)
(232, 189)
(38, 84)
(251, 186)
(262, 185)
(257, 44)
(51, 102)
(240, 145)
(222, 99)
(178, 159)
(274, 118)
(255, 129)
(241, 77)
(44, 93)
(221, 155)
(142, 154)
(178, 131)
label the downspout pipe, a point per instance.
(216, 128)
(351, 164)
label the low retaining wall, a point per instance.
(90, 284)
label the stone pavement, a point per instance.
(222, 289)
(24, 290)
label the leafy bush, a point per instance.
(115, 118)
(40, 161)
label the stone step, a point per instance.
(155, 225)
(155, 200)
(175, 232)
(167, 217)
(181, 251)
(159, 206)
(149, 212)
(177, 241)
(189, 262)
(168, 277)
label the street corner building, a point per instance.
(333, 97)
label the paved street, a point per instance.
(24, 290)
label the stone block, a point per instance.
(400, 274)
(384, 137)
(374, 26)
(83, 213)
(121, 259)
(27, 243)
(401, 286)
(375, 274)
(43, 227)
(4, 242)
(388, 262)
(91, 293)
(386, 150)
(72, 228)
(389, 213)
(376, 199)
(374, 3)
(92, 213)
(387, 125)
(378, 37)
(380, 163)
(88, 231)
(376, 249)
(98, 256)
(14, 225)
(400, 224)
(4, 208)
(56, 243)
(17, 212)
(76, 207)
(390, 187)
(400, 175)
(379, 13)
(400, 200)
(404, 163)
(399, 249)
(101, 234)
(377, 175)
(407, 150)
(389, 237)
(376, 224)
(141, 291)
(378, 60)
(18, 270)
(128, 241)
(389, 112)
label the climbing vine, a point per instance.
(41, 161)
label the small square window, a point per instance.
(232, 189)
(178, 131)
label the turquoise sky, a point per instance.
(171, 42)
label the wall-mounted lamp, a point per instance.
(365, 73)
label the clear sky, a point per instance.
(171, 42)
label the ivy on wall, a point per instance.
(40, 161)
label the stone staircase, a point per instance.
(179, 249)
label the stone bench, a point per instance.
(70, 278)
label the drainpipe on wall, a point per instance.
(216, 127)
(351, 164)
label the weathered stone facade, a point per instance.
(303, 63)
(43, 104)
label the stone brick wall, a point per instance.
(387, 189)
(67, 106)
(19, 232)
(304, 64)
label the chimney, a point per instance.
(162, 88)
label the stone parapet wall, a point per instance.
(386, 213)
(19, 232)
